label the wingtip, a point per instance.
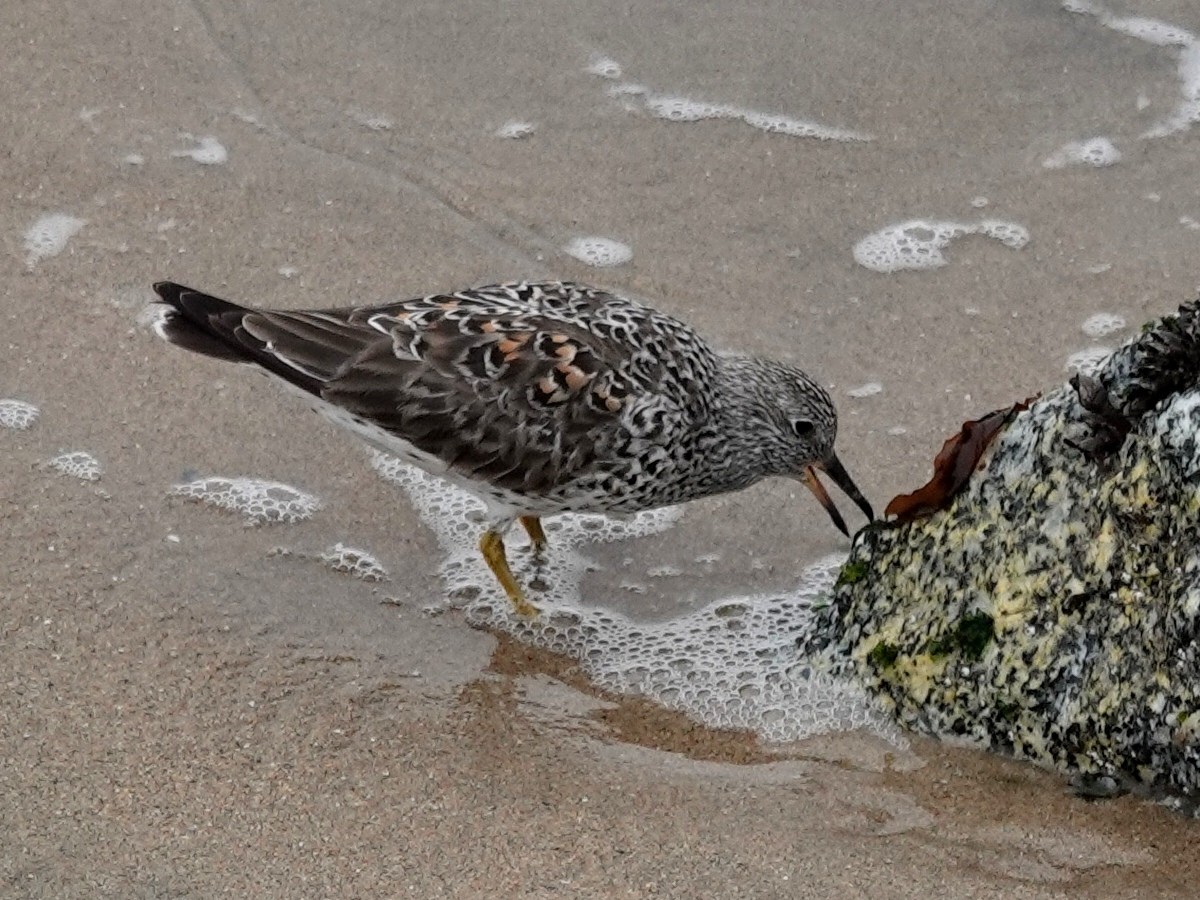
(169, 290)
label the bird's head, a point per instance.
(804, 423)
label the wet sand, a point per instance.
(186, 714)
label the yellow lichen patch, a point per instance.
(1105, 545)
(920, 673)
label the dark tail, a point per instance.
(214, 327)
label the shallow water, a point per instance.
(723, 164)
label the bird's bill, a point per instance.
(834, 469)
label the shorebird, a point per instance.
(539, 398)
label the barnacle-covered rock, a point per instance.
(1052, 610)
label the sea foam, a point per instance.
(732, 664)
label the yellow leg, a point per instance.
(533, 527)
(491, 545)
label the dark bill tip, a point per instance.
(833, 467)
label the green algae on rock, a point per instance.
(1052, 609)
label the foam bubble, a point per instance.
(1189, 222)
(78, 464)
(683, 109)
(358, 563)
(1097, 152)
(208, 152)
(133, 159)
(733, 664)
(1152, 31)
(1189, 71)
(918, 243)
(627, 89)
(599, 251)
(979, 202)
(870, 389)
(289, 271)
(604, 67)
(49, 235)
(1088, 361)
(372, 121)
(1101, 324)
(258, 500)
(515, 130)
(17, 414)
(897, 430)
(676, 108)
(1161, 34)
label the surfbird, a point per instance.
(539, 398)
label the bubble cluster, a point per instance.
(515, 130)
(371, 121)
(682, 109)
(17, 414)
(358, 563)
(1087, 361)
(208, 152)
(870, 389)
(733, 664)
(918, 243)
(604, 68)
(258, 500)
(1097, 152)
(1160, 34)
(1152, 31)
(78, 464)
(599, 251)
(1102, 324)
(49, 235)
(675, 108)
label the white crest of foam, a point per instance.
(352, 561)
(918, 243)
(258, 500)
(372, 121)
(17, 414)
(604, 67)
(208, 152)
(1152, 31)
(599, 251)
(1183, 117)
(49, 236)
(675, 108)
(732, 664)
(1102, 324)
(133, 159)
(1160, 34)
(78, 464)
(870, 389)
(626, 89)
(1189, 71)
(1097, 151)
(515, 130)
(1187, 111)
(1088, 361)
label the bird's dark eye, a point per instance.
(803, 428)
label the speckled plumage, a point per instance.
(1053, 610)
(538, 397)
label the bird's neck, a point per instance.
(739, 455)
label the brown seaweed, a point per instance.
(953, 465)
